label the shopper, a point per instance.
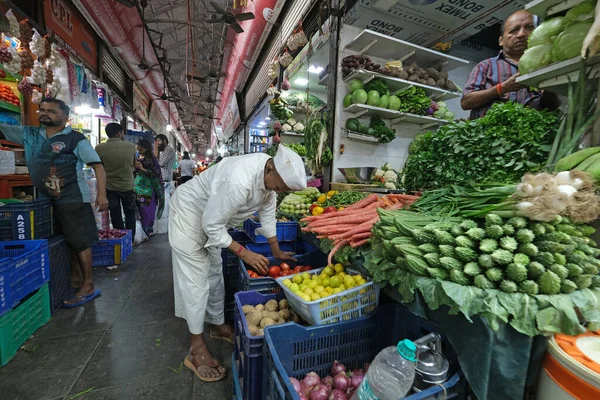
(494, 80)
(200, 213)
(55, 156)
(118, 158)
(148, 187)
(166, 158)
(186, 166)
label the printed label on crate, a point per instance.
(22, 229)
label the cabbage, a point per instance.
(583, 12)
(535, 58)
(569, 43)
(547, 31)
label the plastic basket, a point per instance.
(286, 231)
(315, 259)
(30, 220)
(24, 268)
(248, 349)
(293, 351)
(360, 301)
(109, 252)
(229, 258)
(60, 271)
(19, 324)
(237, 390)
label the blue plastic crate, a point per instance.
(237, 390)
(315, 259)
(293, 351)
(109, 252)
(248, 349)
(60, 271)
(24, 268)
(286, 231)
(31, 220)
(229, 258)
(297, 247)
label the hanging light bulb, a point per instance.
(169, 128)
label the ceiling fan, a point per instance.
(127, 3)
(164, 96)
(228, 17)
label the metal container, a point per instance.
(19, 156)
(432, 368)
(358, 174)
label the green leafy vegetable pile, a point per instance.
(413, 100)
(501, 147)
(528, 274)
(381, 130)
(377, 84)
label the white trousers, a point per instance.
(197, 275)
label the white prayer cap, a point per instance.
(290, 167)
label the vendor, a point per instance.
(200, 213)
(495, 79)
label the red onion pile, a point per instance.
(104, 234)
(339, 385)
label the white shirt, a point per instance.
(226, 195)
(187, 167)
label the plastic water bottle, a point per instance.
(391, 374)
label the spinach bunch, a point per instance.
(381, 130)
(413, 100)
(501, 147)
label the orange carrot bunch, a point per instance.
(352, 226)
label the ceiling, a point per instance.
(190, 51)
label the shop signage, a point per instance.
(140, 103)
(427, 22)
(72, 31)
(246, 46)
(156, 121)
(231, 117)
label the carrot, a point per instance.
(386, 202)
(397, 206)
(361, 236)
(405, 197)
(335, 250)
(345, 219)
(393, 200)
(364, 227)
(364, 202)
(359, 243)
(328, 230)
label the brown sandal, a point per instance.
(220, 336)
(188, 363)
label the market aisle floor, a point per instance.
(121, 344)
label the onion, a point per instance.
(356, 380)
(327, 381)
(567, 189)
(564, 178)
(337, 394)
(319, 393)
(296, 384)
(337, 367)
(524, 190)
(303, 397)
(309, 382)
(341, 381)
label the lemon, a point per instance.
(306, 276)
(329, 289)
(339, 268)
(362, 281)
(287, 282)
(312, 284)
(315, 296)
(357, 278)
(325, 282)
(342, 288)
(336, 291)
(308, 291)
(335, 282)
(302, 287)
(297, 279)
(349, 281)
(314, 277)
(294, 287)
(329, 270)
(342, 274)
(305, 297)
(319, 289)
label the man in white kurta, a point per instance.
(201, 211)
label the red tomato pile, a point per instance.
(283, 269)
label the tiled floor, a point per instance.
(120, 344)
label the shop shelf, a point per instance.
(19, 324)
(354, 303)
(24, 268)
(547, 8)
(286, 231)
(292, 350)
(248, 349)
(109, 252)
(315, 259)
(395, 117)
(396, 84)
(4, 105)
(60, 271)
(29, 220)
(293, 134)
(556, 77)
(388, 48)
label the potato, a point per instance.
(267, 322)
(283, 304)
(260, 332)
(253, 330)
(259, 307)
(265, 314)
(274, 315)
(247, 308)
(253, 318)
(272, 305)
(285, 315)
(296, 318)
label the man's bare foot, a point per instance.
(204, 365)
(222, 332)
(84, 291)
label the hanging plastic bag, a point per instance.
(14, 23)
(286, 59)
(140, 235)
(7, 162)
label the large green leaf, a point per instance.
(523, 309)
(470, 299)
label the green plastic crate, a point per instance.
(20, 323)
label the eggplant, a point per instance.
(376, 66)
(346, 70)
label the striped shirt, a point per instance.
(166, 160)
(493, 71)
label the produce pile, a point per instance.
(298, 148)
(340, 200)
(509, 141)
(377, 129)
(298, 203)
(279, 108)
(559, 38)
(7, 95)
(318, 153)
(274, 312)
(529, 274)
(277, 271)
(354, 62)
(352, 226)
(386, 177)
(291, 125)
(305, 103)
(104, 234)
(340, 384)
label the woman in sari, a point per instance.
(148, 186)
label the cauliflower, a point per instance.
(379, 173)
(390, 176)
(286, 128)
(389, 185)
(299, 127)
(291, 122)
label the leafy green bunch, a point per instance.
(509, 141)
(381, 130)
(413, 100)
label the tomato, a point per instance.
(297, 269)
(285, 266)
(286, 273)
(307, 268)
(329, 209)
(274, 271)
